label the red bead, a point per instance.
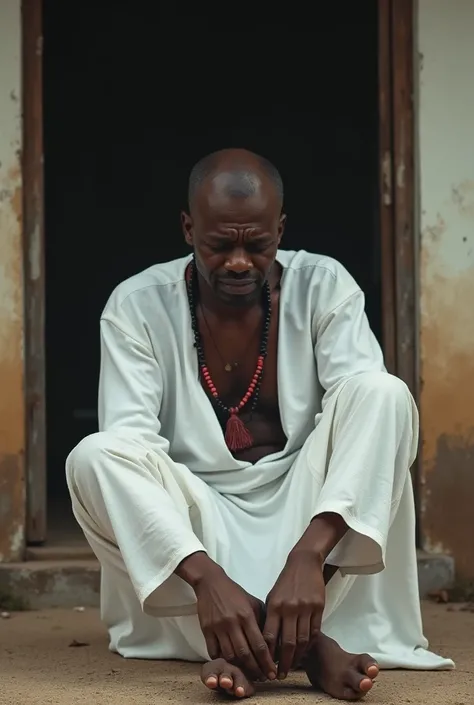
(215, 395)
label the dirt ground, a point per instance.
(40, 666)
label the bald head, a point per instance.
(235, 173)
(235, 224)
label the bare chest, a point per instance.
(231, 353)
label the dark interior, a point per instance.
(133, 98)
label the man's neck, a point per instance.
(226, 312)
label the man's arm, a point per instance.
(130, 398)
(130, 385)
(344, 346)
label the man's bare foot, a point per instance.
(340, 674)
(222, 676)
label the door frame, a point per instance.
(397, 202)
(34, 272)
(397, 227)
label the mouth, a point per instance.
(237, 287)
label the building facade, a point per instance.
(440, 207)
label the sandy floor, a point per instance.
(39, 667)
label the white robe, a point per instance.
(158, 483)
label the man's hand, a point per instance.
(294, 610)
(229, 618)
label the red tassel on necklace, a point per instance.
(237, 436)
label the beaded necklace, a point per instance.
(237, 435)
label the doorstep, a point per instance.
(70, 577)
(42, 584)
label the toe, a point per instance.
(368, 666)
(226, 681)
(350, 694)
(211, 671)
(365, 685)
(372, 671)
(243, 688)
(211, 682)
(221, 675)
(358, 682)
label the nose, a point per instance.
(238, 262)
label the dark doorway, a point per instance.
(132, 100)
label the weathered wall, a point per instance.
(446, 144)
(12, 435)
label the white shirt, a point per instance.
(149, 381)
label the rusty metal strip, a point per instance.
(34, 270)
(403, 188)
(403, 175)
(386, 185)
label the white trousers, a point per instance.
(143, 514)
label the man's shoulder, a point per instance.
(155, 280)
(313, 267)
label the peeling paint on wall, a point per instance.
(12, 418)
(447, 279)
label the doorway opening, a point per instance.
(131, 101)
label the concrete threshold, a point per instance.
(70, 577)
(42, 584)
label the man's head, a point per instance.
(235, 222)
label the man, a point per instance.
(250, 480)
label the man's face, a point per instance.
(235, 242)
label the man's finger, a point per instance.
(213, 647)
(226, 648)
(271, 632)
(243, 655)
(315, 627)
(303, 630)
(288, 645)
(261, 651)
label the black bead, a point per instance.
(192, 292)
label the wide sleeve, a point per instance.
(344, 342)
(130, 386)
(151, 524)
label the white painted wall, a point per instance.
(10, 174)
(12, 417)
(446, 172)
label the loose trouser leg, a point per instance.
(142, 514)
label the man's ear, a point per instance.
(187, 225)
(281, 227)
